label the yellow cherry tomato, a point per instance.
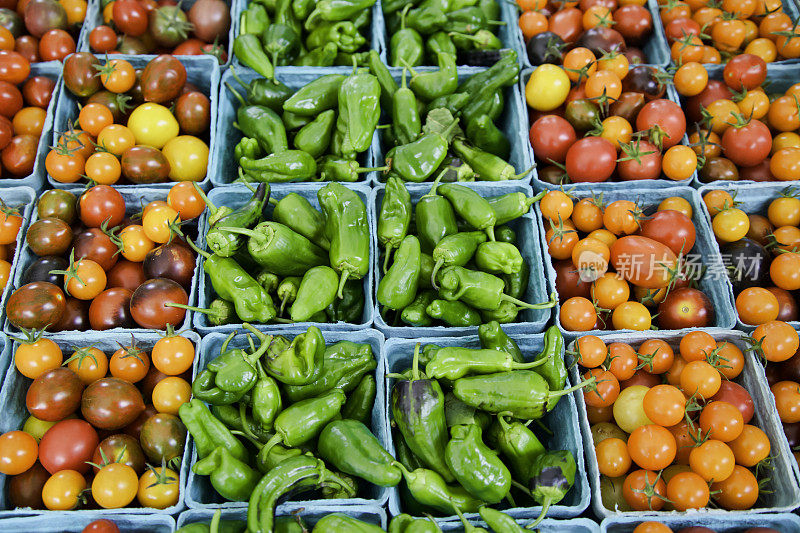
(153, 125)
(547, 87)
(188, 158)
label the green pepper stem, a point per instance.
(214, 526)
(227, 342)
(254, 441)
(283, 302)
(342, 281)
(415, 363)
(532, 364)
(545, 305)
(282, 321)
(195, 248)
(276, 439)
(402, 468)
(522, 175)
(237, 78)
(409, 67)
(372, 169)
(236, 94)
(563, 392)
(395, 375)
(273, 201)
(495, 23)
(203, 310)
(490, 232)
(436, 267)
(387, 254)
(542, 515)
(525, 490)
(211, 207)
(240, 231)
(403, 26)
(436, 181)
(245, 425)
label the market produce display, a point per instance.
(102, 428)
(658, 527)
(329, 121)
(682, 443)
(88, 267)
(303, 33)
(147, 125)
(44, 30)
(437, 272)
(140, 27)
(464, 30)
(606, 28)
(299, 264)
(24, 100)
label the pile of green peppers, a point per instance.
(294, 523)
(461, 430)
(287, 416)
(302, 33)
(464, 27)
(440, 126)
(309, 264)
(456, 261)
(313, 134)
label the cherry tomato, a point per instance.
(158, 488)
(651, 447)
(664, 405)
(18, 452)
(613, 458)
(32, 359)
(62, 491)
(130, 364)
(778, 341)
(115, 485)
(721, 421)
(700, 378)
(712, 460)
(578, 314)
(738, 491)
(751, 447)
(606, 388)
(687, 490)
(591, 159)
(644, 490)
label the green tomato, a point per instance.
(606, 430)
(188, 158)
(628, 409)
(36, 428)
(547, 87)
(153, 125)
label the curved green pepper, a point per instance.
(359, 111)
(406, 44)
(431, 85)
(518, 444)
(351, 307)
(360, 402)
(455, 362)
(453, 313)
(224, 243)
(352, 448)
(482, 132)
(269, 458)
(304, 420)
(315, 97)
(487, 166)
(493, 337)
(417, 160)
(456, 249)
(394, 218)
(231, 478)
(297, 213)
(266, 396)
(289, 165)
(281, 250)
(498, 258)
(315, 136)
(301, 361)
(287, 291)
(247, 48)
(479, 289)
(343, 366)
(458, 413)
(385, 79)
(321, 56)
(475, 466)
(333, 168)
(435, 219)
(498, 520)
(553, 369)
(439, 42)
(406, 122)
(338, 522)
(260, 123)
(317, 291)
(398, 287)
(414, 314)
(208, 432)
(473, 208)
(332, 10)
(512, 205)
(431, 490)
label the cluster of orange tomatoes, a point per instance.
(615, 266)
(706, 32)
(672, 426)
(41, 30)
(58, 461)
(651, 526)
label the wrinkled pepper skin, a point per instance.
(300, 362)
(303, 421)
(231, 416)
(456, 362)
(317, 291)
(231, 478)
(416, 161)
(360, 402)
(513, 205)
(281, 167)
(500, 521)
(287, 291)
(232, 283)
(482, 132)
(429, 86)
(208, 432)
(552, 475)
(517, 283)
(351, 307)
(224, 243)
(343, 366)
(283, 251)
(315, 136)
(418, 411)
(518, 444)
(455, 250)
(395, 216)
(406, 44)
(262, 124)
(554, 370)
(470, 206)
(493, 337)
(266, 397)
(430, 489)
(435, 219)
(332, 10)
(351, 447)
(487, 166)
(316, 97)
(454, 313)
(359, 112)
(406, 122)
(479, 289)
(321, 56)
(247, 48)
(475, 466)
(385, 79)
(269, 458)
(398, 287)
(498, 258)
(297, 213)
(338, 522)
(414, 314)
(347, 230)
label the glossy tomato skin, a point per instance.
(38, 90)
(40, 270)
(163, 79)
(666, 114)
(93, 244)
(58, 203)
(163, 437)
(101, 526)
(672, 229)
(685, 308)
(118, 445)
(111, 403)
(745, 71)
(749, 262)
(643, 261)
(130, 17)
(68, 445)
(736, 395)
(75, 316)
(568, 281)
(49, 236)
(25, 490)
(634, 23)
(193, 111)
(35, 305)
(54, 395)
(551, 136)
(127, 275)
(715, 90)
(647, 167)
(144, 164)
(80, 74)
(102, 204)
(592, 159)
(111, 309)
(147, 303)
(173, 261)
(19, 155)
(748, 145)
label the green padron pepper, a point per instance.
(458, 413)
(406, 122)
(332, 10)
(315, 136)
(498, 258)
(301, 361)
(406, 44)
(281, 250)
(321, 56)
(394, 218)
(453, 313)
(224, 243)
(297, 213)
(315, 97)
(429, 86)
(208, 432)
(287, 291)
(456, 362)
(492, 337)
(455, 250)
(233, 370)
(230, 477)
(338, 522)
(498, 520)
(430, 489)
(316, 292)
(343, 366)
(518, 444)
(281, 167)
(351, 447)
(359, 111)
(479, 289)
(360, 402)
(553, 369)
(303, 421)
(476, 466)
(414, 314)
(398, 287)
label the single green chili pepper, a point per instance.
(204, 388)
(338, 522)
(289, 165)
(363, 18)
(359, 111)
(453, 313)
(498, 258)
(385, 79)
(517, 283)
(482, 133)
(294, 121)
(360, 59)
(553, 369)
(456, 249)
(552, 475)
(473, 85)
(426, 270)
(498, 520)
(266, 397)
(405, 116)
(394, 218)
(247, 147)
(429, 86)
(417, 160)
(281, 41)
(351, 447)
(265, 92)
(268, 280)
(490, 8)
(219, 312)
(333, 168)
(493, 337)
(315, 137)
(297, 213)
(406, 44)
(470, 206)
(300, 362)
(454, 169)
(285, 15)
(254, 19)
(321, 56)
(269, 458)
(487, 166)
(435, 219)
(332, 10)
(469, 20)
(479, 289)
(518, 444)
(317, 291)
(231, 416)
(414, 314)
(400, 523)
(513, 205)
(348, 231)
(418, 411)
(439, 42)
(454, 362)
(341, 33)
(505, 314)
(504, 233)
(301, 8)
(398, 287)
(287, 291)
(262, 124)
(343, 366)
(458, 413)
(208, 432)
(351, 307)
(224, 243)
(231, 478)
(304, 420)
(281, 250)
(317, 96)
(234, 370)
(303, 472)
(360, 402)
(247, 48)
(475, 466)
(431, 490)
(523, 393)
(426, 20)
(232, 283)
(452, 102)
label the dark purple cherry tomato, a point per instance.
(54, 395)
